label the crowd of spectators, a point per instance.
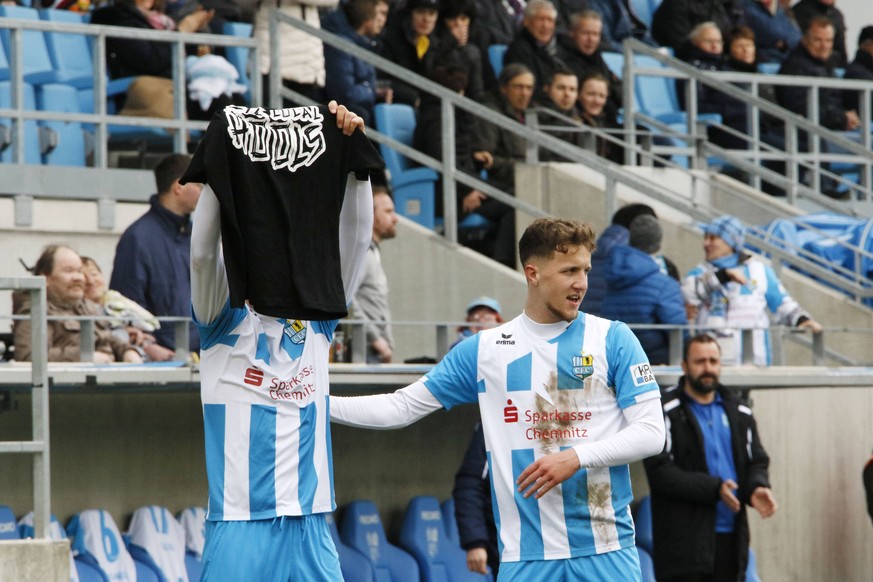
(448, 42)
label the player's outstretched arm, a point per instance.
(209, 290)
(643, 437)
(384, 411)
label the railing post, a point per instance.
(40, 409)
(450, 200)
(86, 340)
(359, 342)
(180, 334)
(818, 349)
(676, 347)
(700, 161)
(442, 341)
(532, 151)
(747, 353)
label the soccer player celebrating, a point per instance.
(567, 400)
(264, 383)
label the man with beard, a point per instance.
(712, 466)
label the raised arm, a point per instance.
(209, 290)
(355, 233)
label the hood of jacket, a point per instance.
(627, 266)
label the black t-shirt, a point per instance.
(280, 176)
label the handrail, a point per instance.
(39, 445)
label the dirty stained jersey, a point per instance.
(541, 388)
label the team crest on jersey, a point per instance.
(583, 365)
(296, 331)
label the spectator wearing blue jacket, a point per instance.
(620, 22)
(350, 80)
(776, 34)
(640, 292)
(152, 258)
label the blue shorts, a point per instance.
(619, 566)
(282, 549)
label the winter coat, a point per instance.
(541, 60)
(619, 22)
(806, 10)
(612, 237)
(301, 54)
(586, 65)
(506, 147)
(349, 80)
(673, 20)
(129, 57)
(775, 34)
(638, 292)
(684, 494)
(831, 113)
(860, 68)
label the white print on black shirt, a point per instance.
(287, 138)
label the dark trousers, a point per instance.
(725, 566)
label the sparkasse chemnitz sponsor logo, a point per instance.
(506, 341)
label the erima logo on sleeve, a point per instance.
(642, 374)
(506, 340)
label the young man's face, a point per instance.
(702, 367)
(557, 285)
(424, 21)
(380, 19)
(66, 283)
(563, 91)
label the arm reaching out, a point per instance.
(384, 411)
(643, 437)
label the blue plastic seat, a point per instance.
(70, 148)
(32, 153)
(752, 568)
(88, 572)
(449, 522)
(414, 187)
(8, 525)
(36, 65)
(97, 541)
(354, 565)
(70, 54)
(362, 530)
(615, 62)
(158, 541)
(424, 536)
(239, 56)
(769, 68)
(642, 514)
(495, 57)
(645, 10)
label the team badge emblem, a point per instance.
(583, 365)
(296, 331)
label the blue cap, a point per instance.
(484, 301)
(729, 229)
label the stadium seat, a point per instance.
(354, 565)
(424, 536)
(146, 572)
(36, 63)
(495, 57)
(70, 54)
(449, 523)
(642, 514)
(158, 541)
(97, 541)
(647, 566)
(645, 10)
(193, 520)
(769, 68)
(615, 62)
(89, 573)
(56, 532)
(32, 153)
(362, 529)
(8, 526)
(414, 188)
(239, 56)
(70, 145)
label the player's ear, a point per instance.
(532, 274)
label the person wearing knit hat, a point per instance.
(732, 290)
(860, 68)
(640, 292)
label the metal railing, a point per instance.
(38, 446)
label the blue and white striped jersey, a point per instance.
(541, 389)
(264, 387)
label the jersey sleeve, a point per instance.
(219, 331)
(629, 370)
(455, 379)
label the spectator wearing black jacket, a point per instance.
(713, 465)
(861, 67)
(674, 19)
(473, 511)
(806, 10)
(410, 42)
(536, 45)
